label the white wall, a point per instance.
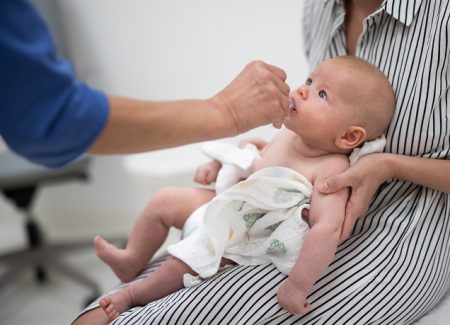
(158, 49)
(165, 49)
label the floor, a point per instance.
(55, 302)
(59, 300)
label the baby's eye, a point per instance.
(308, 81)
(323, 94)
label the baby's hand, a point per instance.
(259, 143)
(292, 298)
(207, 173)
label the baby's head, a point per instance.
(344, 102)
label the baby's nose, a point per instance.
(303, 92)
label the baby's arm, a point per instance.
(207, 173)
(325, 217)
(259, 143)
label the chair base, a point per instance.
(51, 256)
(19, 181)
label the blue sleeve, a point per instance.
(46, 114)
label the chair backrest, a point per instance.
(16, 172)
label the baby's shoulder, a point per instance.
(332, 164)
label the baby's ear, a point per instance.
(352, 138)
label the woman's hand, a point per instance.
(257, 96)
(364, 178)
(207, 173)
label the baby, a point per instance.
(344, 102)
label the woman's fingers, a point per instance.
(257, 96)
(363, 182)
(280, 73)
(284, 96)
(351, 216)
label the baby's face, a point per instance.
(320, 107)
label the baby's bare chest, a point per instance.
(277, 156)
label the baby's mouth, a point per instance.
(292, 106)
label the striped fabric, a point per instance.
(395, 267)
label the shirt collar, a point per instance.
(403, 11)
(340, 2)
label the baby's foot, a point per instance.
(115, 304)
(118, 259)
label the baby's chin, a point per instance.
(288, 124)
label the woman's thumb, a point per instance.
(330, 185)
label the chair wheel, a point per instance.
(40, 274)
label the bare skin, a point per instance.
(167, 279)
(257, 96)
(150, 222)
(94, 316)
(170, 207)
(138, 294)
(356, 12)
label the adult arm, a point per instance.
(257, 96)
(207, 173)
(371, 171)
(50, 117)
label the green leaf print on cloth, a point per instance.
(250, 218)
(304, 201)
(274, 226)
(276, 247)
(283, 195)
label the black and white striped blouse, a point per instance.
(409, 41)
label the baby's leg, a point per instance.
(170, 207)
(167, 279)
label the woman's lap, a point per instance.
(247, 295)
(391, 272)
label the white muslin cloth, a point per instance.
(236, 165)
(236, 162)
(368, 147)
(253, 222)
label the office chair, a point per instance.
(19, 182)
